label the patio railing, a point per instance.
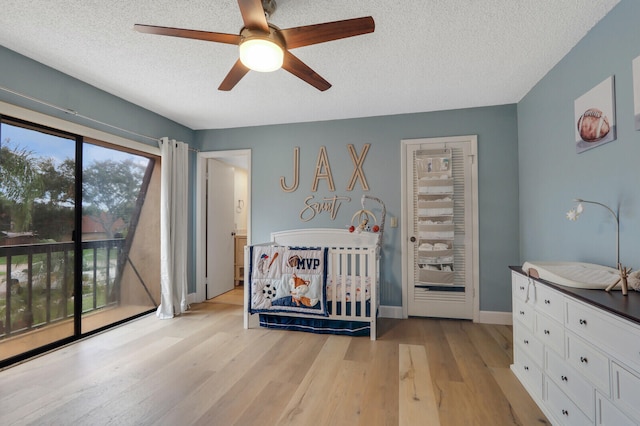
(37, 285)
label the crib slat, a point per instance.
(331, 278)
(340, 296)
(357, 275)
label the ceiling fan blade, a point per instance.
(319, 33)
(301, 70)
(235, 75)
(253, 15)
(194, 34)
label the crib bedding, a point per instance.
(288, 279)
(328, 325)
(314, 280)
(316, 325)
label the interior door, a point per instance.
(220, 228)
(441, 226)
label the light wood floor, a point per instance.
(38, 337)
(204, 368)
(233, 297)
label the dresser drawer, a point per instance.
(520, 286)
(528, 372)
(608, 414)
(550, 333)
(570, 382)
(620, 337)
(550, 302)
(588, 361)
(626, 389)
(524, 339)
(561, 407)
(524, 313)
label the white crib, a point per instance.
(353, 280)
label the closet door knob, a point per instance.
(412, 239)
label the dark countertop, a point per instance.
(627, 307)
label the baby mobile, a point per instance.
(362, 219)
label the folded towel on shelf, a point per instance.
(436, 222)
(438, 259)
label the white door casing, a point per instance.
(240, 158)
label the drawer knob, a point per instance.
(521, 312)
(565, 412)
(583, 321)
(547, 332)
(547, 301)
(564, 378)
(584, 360)
(526, 368)
(522, 287)
(526, 342)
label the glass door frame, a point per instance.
(80, 141)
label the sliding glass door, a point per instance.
(120, 238)
(37, 204)
(79, 237)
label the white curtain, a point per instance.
(173, 228)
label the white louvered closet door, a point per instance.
(441, 226)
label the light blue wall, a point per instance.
(23, 75)
(272, 148)
(533, 148)
(552, 174)
(273, 209)
(29, 77)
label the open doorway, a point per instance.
(223, 221)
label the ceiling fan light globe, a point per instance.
(261, 55)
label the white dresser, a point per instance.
(577, 352)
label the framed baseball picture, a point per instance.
(595, 116)
(636, 91)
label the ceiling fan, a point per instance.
(261, 42)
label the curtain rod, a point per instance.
(77, 114)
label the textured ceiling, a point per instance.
(425, 55)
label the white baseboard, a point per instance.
(484, 317)
(390, 312)
(193, 298)
(386, 311)
(490, 317)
